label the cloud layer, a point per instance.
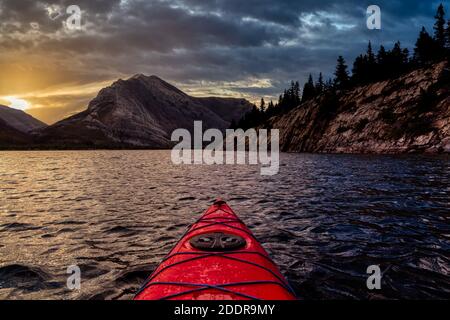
(216, 47)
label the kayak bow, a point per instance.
(218, 258)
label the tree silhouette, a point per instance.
(397, 60)
(359, 69)
(341, 74)
(329, 85)
(370, 54)
(371, 63)
(320, 86)
(251, 119)
(381, 63)
(381, 56)
(309, 90)
(439, 27)
(290, 98)
(297, 99)
(262, 106)
(424, 52)
(365, 67)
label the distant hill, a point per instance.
(10, 137)
(15, 128)
(19, 120)
(139, 112)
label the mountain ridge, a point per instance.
(11, 138)
(19, 119)
(141, 111)
(15, 128)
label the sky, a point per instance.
(229, 48)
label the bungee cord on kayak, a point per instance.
(219, 250)
(222, 255)
(217, 287)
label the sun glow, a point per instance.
(17, 103)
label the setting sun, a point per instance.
(17, 103)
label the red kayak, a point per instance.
(218, 258)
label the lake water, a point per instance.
(324, 219)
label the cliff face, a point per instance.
(140, 112)
(404, 115)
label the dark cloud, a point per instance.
(189, 41)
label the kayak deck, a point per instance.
(218, 258)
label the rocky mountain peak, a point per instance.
(142, 84)
(142, 111)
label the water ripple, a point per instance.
(324, 219)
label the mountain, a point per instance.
(19, 120)
(409, 114)
(140, 112)
(15, 128)
(10, 137)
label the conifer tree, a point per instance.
(328, 85)
(320, 86)
(381, 56)
(371, 70)
(309, 89)
(397, 59)
(361, 70)
(341, 74)
(405, 54)
(439, 27)
(297, 93)
(370, 55)
(424, 52)
(262, 106)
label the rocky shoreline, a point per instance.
(410, 114)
